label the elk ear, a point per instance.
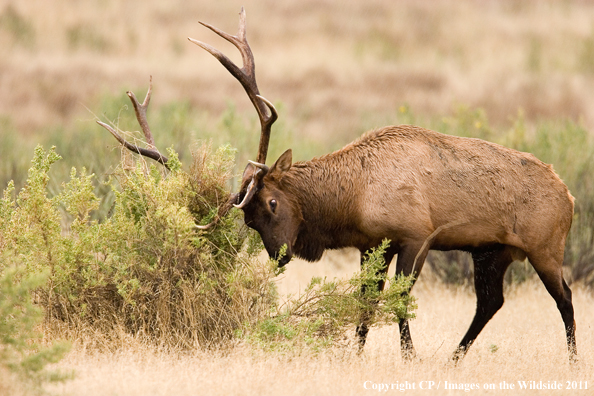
(248, 172)
(247, 176)
(283, 163)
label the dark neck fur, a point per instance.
(326, 190)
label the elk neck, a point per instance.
(328, 190)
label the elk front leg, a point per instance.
(367, 315)
(410, 261)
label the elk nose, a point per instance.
(284, 260)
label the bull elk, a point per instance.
(420, 189)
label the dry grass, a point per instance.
(339, 66)
(527, 334)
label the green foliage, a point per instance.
(146, 269)
(31, 224)
(467, 122)
(21, 351)
(321, 315)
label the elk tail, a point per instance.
(427, 244)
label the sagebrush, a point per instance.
(327, 309)
(148, 272)
(145, 270)
(23, 355)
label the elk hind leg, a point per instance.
(549, 270)
(490, 265)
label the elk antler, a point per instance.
(247, 77)
(140, 110)
(267, 114)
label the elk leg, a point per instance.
(489, 268)
(410, 260)
(365, 318)
(552, 277)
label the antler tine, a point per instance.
(140, 110)
(240, 42)
(247, 77)
(273, 112)
(265, 134)
(152, 154)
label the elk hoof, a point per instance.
(408, 355)
(458, 355)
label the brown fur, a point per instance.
(423, 190)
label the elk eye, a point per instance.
(273, 205)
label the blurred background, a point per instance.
(520, 73)
(339, 67)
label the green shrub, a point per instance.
(326, 310)
(21, 350)
(145, 270)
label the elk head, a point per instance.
(267, 209)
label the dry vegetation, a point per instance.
(524, 341)
(339, 68)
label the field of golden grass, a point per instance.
(339, 68)
(524, 342)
